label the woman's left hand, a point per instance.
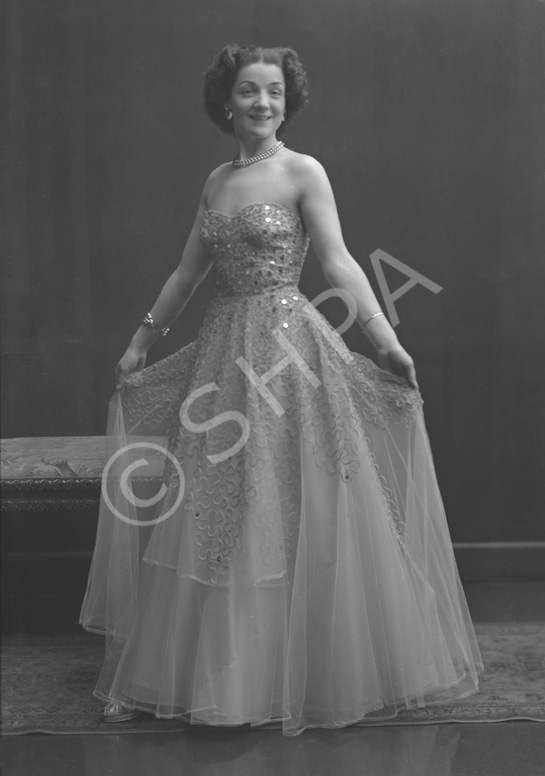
(396, 360)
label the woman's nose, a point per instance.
(262, 99)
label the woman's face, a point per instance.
(258, 100)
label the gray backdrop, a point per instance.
(428, 116)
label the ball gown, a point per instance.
(272, 546)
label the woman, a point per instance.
(298, 566)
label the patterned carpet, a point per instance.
(47, 684)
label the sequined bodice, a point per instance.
(261, 247)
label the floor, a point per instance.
(494, 749)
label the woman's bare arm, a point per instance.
(319, 211)
(180, 286)
(175, 294)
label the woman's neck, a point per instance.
(248, 147)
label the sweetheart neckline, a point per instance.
(253, 204)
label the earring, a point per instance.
(228, 113)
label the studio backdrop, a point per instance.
(430, 120)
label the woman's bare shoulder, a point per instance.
(214, 179)
(218, 173)
(306, 171)
(305, 167)
(302, 162)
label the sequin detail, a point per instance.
(253, 250)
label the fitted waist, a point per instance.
(225, 293)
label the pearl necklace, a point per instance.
(259, 157)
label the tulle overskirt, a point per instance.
(272, 545)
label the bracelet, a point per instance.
(371, 318)
(148, 321)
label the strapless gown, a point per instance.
(272, 546)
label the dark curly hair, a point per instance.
(220, 77)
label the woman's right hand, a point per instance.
(132, 361)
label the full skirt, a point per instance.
(272, 544)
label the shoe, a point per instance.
(115, 711)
